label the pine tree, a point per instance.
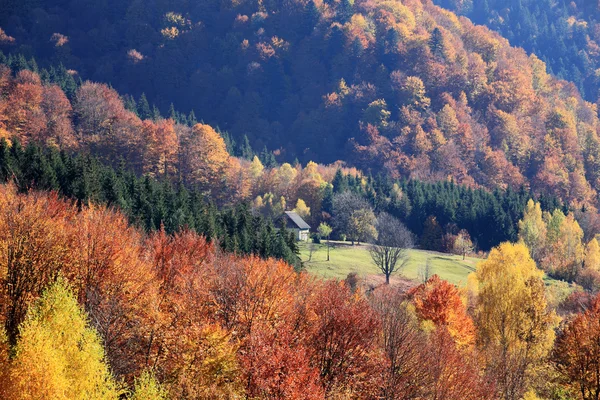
(143, 108)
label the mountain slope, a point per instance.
(401, 87)
(565, 35)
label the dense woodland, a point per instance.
(149, 148)
(400, 87)
(563, 34)
(95, 308)
(37, 112)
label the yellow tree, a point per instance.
(532, 229)
(256, 168)
(285, 177)
(565, 255)
(592, 255)
(58, 355)
(146, 387)
(589, 277)
(302, 209)
(515, 329)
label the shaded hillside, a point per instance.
(565, 35)
(405, 88)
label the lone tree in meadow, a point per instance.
(325, 231)
(463, 244)
(390, 250)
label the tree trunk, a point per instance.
(327, 249)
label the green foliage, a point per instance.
(147, 202)
(454, 206)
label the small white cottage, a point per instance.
(295, 223)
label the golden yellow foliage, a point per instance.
(146, 387)
(58, 356)
(256, 168)
(592, 255)
(302, 209)
(515, 328)
(532, 229)
(207, 156)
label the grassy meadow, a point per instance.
(345, 258)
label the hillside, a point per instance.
(564, 35)
(400, 87)
(150, 153)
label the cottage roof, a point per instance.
(296, 220)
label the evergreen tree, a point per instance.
(143, 108)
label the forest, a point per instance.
(149, 150)
(95, 308)
(564, 35)
(403, 88)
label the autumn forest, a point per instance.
(156, 154)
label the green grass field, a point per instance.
(345, 258)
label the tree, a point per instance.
(391, 246)
(565, 254)
(205, 158)
(403, 344)
(344, 340)
(344, 205)
(256, 168)
(576, 353)
(33, 249)
(431, 238)
(463, 244)
(532, 229)
(278, 365)
(58, 355)
(362, 225)
(440, 302)
(592, 255)
(514, 325)
(143, 108)
(325, 230)
(302, 209)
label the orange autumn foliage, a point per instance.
(440, 302)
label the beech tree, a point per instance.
(146, 387)
(352, 215)
(403, 345)
(463, 244)
(34, 248)
(205, 158)
(440, 302)
(532, 229)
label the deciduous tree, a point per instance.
(391, 246)
(514, 326)
(58, 355)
